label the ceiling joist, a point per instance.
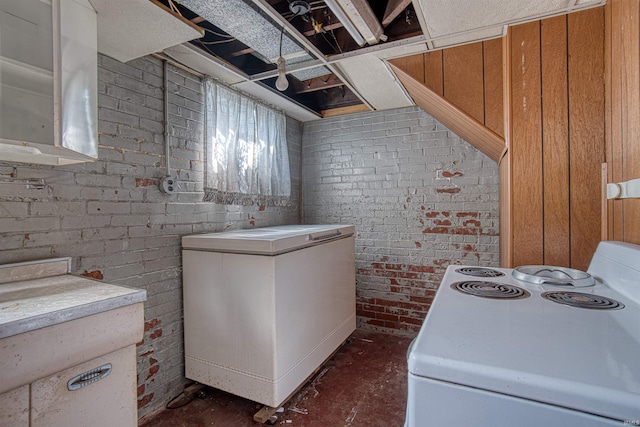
(318, 83)
(394, 8)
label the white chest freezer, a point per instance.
(265, 307)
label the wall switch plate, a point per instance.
(168, 185)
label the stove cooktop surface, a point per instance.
(534, 345)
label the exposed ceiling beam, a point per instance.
(317, 83)
(294, 33)
(394, 8)
(362, 16)
(325, 27)
(242, 52)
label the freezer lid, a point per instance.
(267, 240)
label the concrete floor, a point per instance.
(364, 384)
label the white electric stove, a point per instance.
(542, 349)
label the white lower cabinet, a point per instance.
(14, 407)
(101, 392)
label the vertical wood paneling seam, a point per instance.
(442, 71)
(541, 56)
(506, 222)
(484, 90)
(566, 48)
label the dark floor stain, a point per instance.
(363, 384)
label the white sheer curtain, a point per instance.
(247, 156)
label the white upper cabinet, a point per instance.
(48, 81)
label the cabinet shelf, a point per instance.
(26, 77)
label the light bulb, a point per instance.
(281, 83)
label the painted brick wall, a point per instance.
(112, 219)
(419, 196)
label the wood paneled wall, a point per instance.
(469, 76)
(551, 101)
(623, 114)
(557, 139)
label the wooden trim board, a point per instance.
(469, 129)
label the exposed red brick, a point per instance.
(386, 302)
(392, 325)
(422, 207)
(386, 266)
(386, 316)
(411, 320)
(399, 311)
(423, 300)
(448, 190)
(451, 230)
(152, 361)
(472, 222)
(408, 275)
(411, 306)
(370, 307)
(261, 208)
(447, 174)
(422, 268)
(141, 388)
(145, 400)
(436, 230)
(140, 344)
(145, 182)
(27, 236)
(156, 334)
(152, 371)
(151, 324)
(148, 353)
(418, 245)
(366, 314)
(431, 214)
(465, 231)
(96, 274)
(442, 222)
(467, 214)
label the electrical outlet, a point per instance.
(168, 185)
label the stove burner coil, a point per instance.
(490, 290)
(581, 300)
(479, 272)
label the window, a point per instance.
(246, 150)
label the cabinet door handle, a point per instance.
(89, 377)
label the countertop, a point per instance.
(31, 304)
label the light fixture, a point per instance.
(299, 7)
(346, 22)
(363, 19)
(281, 82)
